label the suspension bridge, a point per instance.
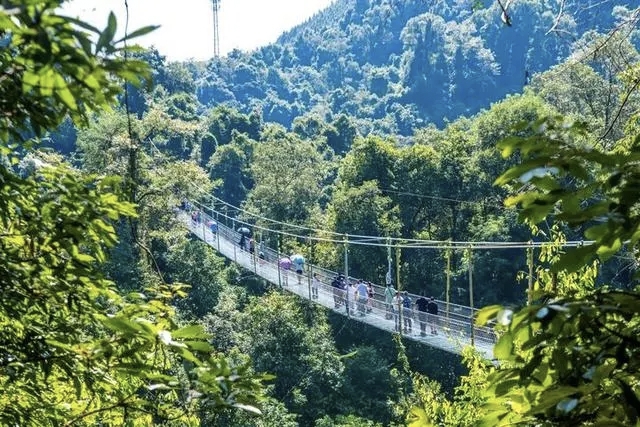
(454, 325)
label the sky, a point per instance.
(186, 30)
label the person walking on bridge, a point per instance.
(389, 294)
(261, 254)
(397, 304)
(298, 266)
(337, 285)
(432, 309)
(349, 296)
(422, 304)
(407, 312)
(362, 294)
(283, 266)
(315, 284)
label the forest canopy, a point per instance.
(495, 121)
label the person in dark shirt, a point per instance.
(337, 285)
(432, 309)
(421, 307)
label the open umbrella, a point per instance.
(297, 259)
(284, 263)
(244, 231)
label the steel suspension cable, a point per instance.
(400, 243)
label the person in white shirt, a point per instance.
(397, 304)
(362, 294)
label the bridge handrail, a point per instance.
(454, 320)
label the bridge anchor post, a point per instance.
(448, 291)
(346, 272)
(471, 319)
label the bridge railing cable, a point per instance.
(456, 311)
(396, 241)
(226, 241)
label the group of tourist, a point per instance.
(426, 309)
(295, 263)
(361, 294)
(362, 291)
(356, 296)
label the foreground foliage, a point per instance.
(572, 359)
(73, 349)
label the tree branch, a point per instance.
(119, 404)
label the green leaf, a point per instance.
(201, 346)
(82, 24)
(607, 251)
(596, 232)
(504, 346)
(418, 418)
(190, 332)
(349, 355)
(520, 171)
(122, 324)
(552, 397)
(494, 417)
(139, 32)
(574, 259)
(486, 314)
(106, 37)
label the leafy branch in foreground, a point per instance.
(74, 351)
(72, 348)
(51, 69)
(571, 359)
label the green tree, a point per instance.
(431, 406)
(367, 370)
(67, 332)
(341, 135)
(221, 124)
(288, 174)
(230, 166)
(592, 87)
(293, 342)
(363, 211)
(192, 262)
(74, 350)
(574, 359)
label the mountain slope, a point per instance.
(399, 64)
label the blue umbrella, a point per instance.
(297, 259)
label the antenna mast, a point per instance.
(216, 35)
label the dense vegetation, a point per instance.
(373, 118)
(397, 66)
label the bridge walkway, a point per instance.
(454, 327)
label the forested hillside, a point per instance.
(462, 121)
(398, 65)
